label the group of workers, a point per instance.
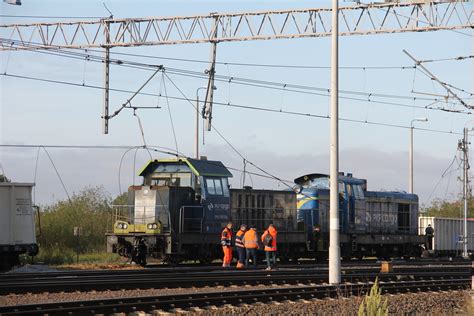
(247, 244)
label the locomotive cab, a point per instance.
(181, 200)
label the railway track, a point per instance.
(190, 302)
(148, 278)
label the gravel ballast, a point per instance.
(434, 303)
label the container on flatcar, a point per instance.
(17, 223)
(448, 234)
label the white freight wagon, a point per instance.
(448, 234)
(17, 223)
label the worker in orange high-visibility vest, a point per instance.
(226, 242)
(239, 245)
(269, 240)
(251, 245)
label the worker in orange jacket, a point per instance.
(269, 240)
(226, 242)
(251, 245)
(239, 245)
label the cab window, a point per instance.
(225, 187)
(358, 192)
(211, 189)
(217, 186)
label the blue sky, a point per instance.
(42, 113)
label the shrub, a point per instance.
(374, 304)
(90, 210)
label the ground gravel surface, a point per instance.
(436, 303)
(36, 298)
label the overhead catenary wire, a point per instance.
(120, 168)
(446, 172)
(446, 59)
(169, 113)
(57, 173)
(447, 84)
(282, 86)
(130, 147)
(225, 63)
(216, 130)
(234, 105)
(237, 80)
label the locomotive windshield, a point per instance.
(172, 179)
(320, 183)
(217, 186)
(358, 191)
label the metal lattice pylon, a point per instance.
(392, 17)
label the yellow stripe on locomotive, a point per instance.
(122, 227)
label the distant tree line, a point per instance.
(443, 208)
(89, 209)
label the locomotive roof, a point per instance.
(210, 168)
(344, 178)
(392, 194)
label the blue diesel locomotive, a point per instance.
(381, 224)
(183, 204)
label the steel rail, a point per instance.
(204, 299)
(35, 284)
(186, 268)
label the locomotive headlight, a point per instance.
(297, 188)
(122, 225)
(152, 226)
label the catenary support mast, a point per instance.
(465, 150)
(105, 112)
(334, 247)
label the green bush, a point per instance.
(89, 209)
(56, 256)
(374, 304)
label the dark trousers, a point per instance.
(251, 253)
(429, 242)
(242, 254)
(271, 256)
